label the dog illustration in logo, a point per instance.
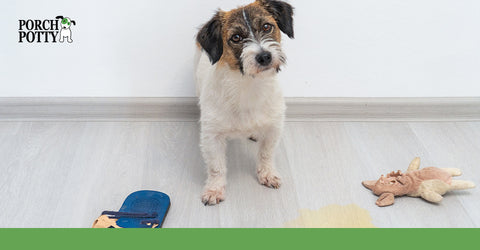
(65, 32)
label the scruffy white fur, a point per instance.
(236, 105)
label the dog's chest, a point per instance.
(249, 110)
(244, 104)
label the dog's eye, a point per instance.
(267, 27)
(236, 38)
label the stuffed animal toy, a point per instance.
(429, 183)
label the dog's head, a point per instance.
(66, 22)
(248, 38)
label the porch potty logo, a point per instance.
(45, 31)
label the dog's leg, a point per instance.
(266, 172)
(69, 36)
(213, 150)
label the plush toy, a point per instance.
(429, 183)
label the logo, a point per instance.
(46, 31)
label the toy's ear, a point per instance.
(59, 17)
(386, 199)
(73, 22)
(369, 184)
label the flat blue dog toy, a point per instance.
(142, 209)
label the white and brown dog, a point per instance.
(238, 58)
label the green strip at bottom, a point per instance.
(239, 238)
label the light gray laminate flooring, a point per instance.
(64, 174)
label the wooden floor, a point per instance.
(62, 174)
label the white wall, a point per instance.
(344, 48)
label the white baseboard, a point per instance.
(385, 109)
(185, 109)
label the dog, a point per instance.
(65, 32)
(238, 57)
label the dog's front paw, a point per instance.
(269, 178)
(213, 196)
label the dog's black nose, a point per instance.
(264, 58)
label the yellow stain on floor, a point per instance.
(333, 216)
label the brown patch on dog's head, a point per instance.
(233, 38)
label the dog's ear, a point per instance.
(59, 17)
(73, 22)
(283, 14)
(210, 38)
